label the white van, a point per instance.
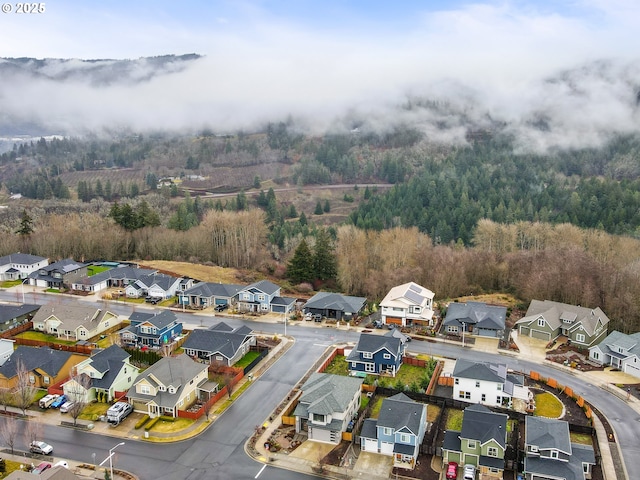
(47, 400)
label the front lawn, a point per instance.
(177, 425)
(94, 410)
(44, 337)
(548, 406)
(9, 283)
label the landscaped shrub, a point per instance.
(166, 418)
(151, 423)
(141, 422)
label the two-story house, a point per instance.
(220, 343)
(481, 442)
(398, 431)
(487, 383)
(209, 294)
(476, 318)
(74, 322)
(151, 329)
(619, 350)
(264, 296)
(547, 320)
(335, 305)
(550, 455)
(44, 366)
(407, 304)
(167, 386)
(326, 406)
(20, 265)
(107, 371)
(376, 355)
(60, 274)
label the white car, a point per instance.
(42, 448)
(66, 406)
(469, 472)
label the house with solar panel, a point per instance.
(60, 274)
(487, 383)
(476, 318)
(407, 305)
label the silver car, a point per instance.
(469, 472)
(42, 448)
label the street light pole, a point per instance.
(464, 327)
(110, 458)
(23, 289)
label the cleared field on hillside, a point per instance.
(200, 272)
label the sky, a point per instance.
(319, 59)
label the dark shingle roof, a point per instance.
(9, 312)
(336, 301)
(571, 470)
(399, 411)
(207, 289)
(159, 319)
(218, 339)
(22, 258)
(481, 424)
(264, 286)
(488, 372)
(547, 433)
(476, 313)
(44, 358)
(119, 273)
(108, 362)
(325, 393)
(369, 428)
(369, 342)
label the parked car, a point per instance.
(47, 400)
(66, 406)
(42, 448)
(317, 317)
(153, 300)
(41, 468)
(62, 463)
(308, 316)
(377, 324)
(221, 307)
(452, 471)
(469, 472)
(58, 402)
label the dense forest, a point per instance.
(470, 218)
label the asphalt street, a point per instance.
(218, 452)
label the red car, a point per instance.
(452, 471)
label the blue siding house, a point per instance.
(398, 431)
(376, 355)
(151, 329)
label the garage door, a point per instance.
(393, 320)
(546, 336)
(630, 369)
(370, 445)
(386, 448)
(525, 331)
(319, 434)
(487, 332)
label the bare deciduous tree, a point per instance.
(25, 390)
(6, 397)
(9, 431)
(76, 390)
(33, 431)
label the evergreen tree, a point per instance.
(327, 207)
(300, 267)
(26, 224)
(292, 211)
(107, 190)
(324, 260)
(303, 219)
(318, 210)
(256, 182)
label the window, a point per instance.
(595, 355)
(471, 444)
(533, 448)
(483, 398)
(367, 355)
(172, 390)
(457, 381)
(45, 380)
(477, 384)
(387, 431)
(262, 298)
(405, 438)
(318, 417)
(499, 387)
(464, 395)
(353, 365)
(145, 390)
(498, 400)
(32, 379)
(492, 452)
(554, 454)
(452, 328)
(369, 367)
(541, 322)
(586, 468)
(386, 356)
(162, 388)
(580, 337)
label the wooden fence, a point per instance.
(204, 408)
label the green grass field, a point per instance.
(44, 337)
(247, 359)
(548, 405)
(95, 269)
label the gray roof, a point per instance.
(22, 258)
(53, 473)
(264, 286)
(489, 372)
(9, 312)
(67, 265)
(159, 319)
(369, 428)
(370, 342)
(476, 313)
(631, 343)
(283, 301)
(165, 282)
(209, 289)
(481, 424)
(72, 316)
(108, 362)
(452, 441)
(44, 358)
(218, 339)
(571, 470)
(336, 301)
(547, 433)
(170, 371)
(555, 312)
(118, 273)
(325, 393)
(399, 412)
